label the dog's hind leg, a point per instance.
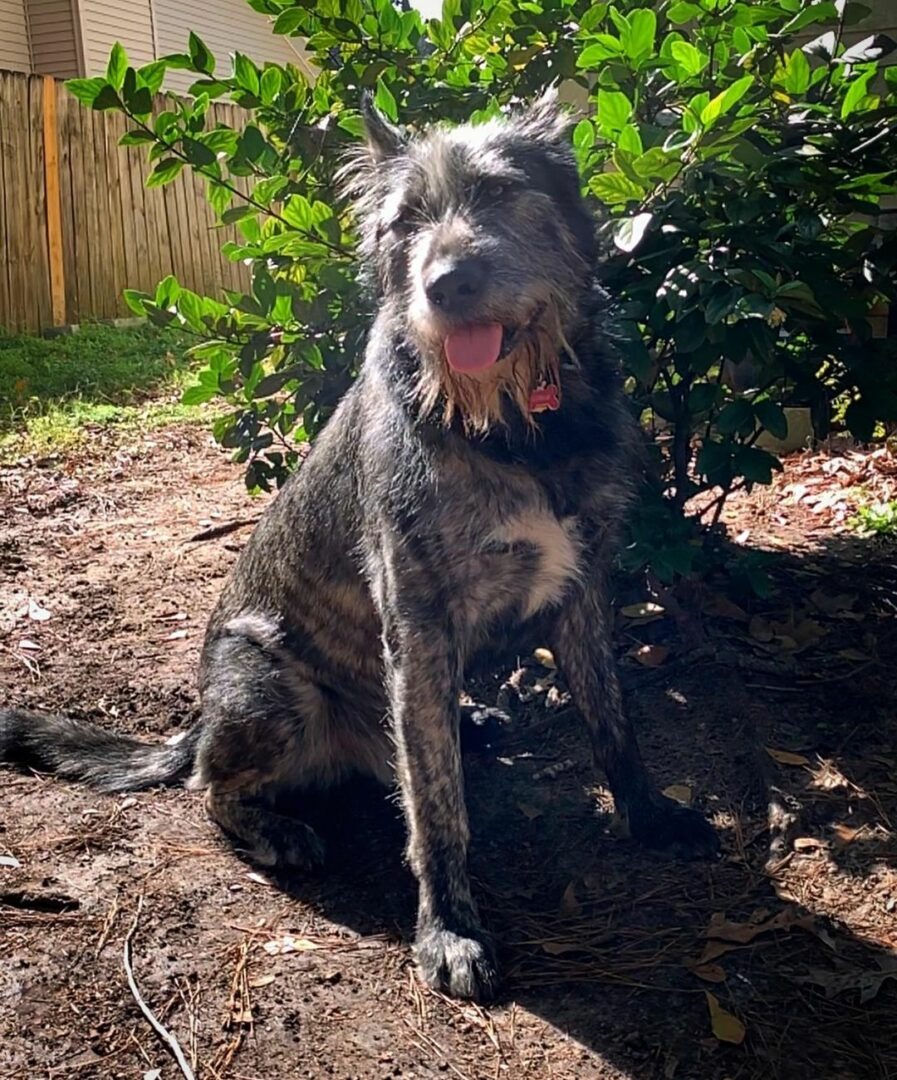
(582, 645)
(269, 838)
(254, 743)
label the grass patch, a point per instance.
(99, 363)
(54, 392)
(61, 429)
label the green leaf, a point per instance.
(140, 103)
(135, 301)
(584, 135)
(796, 79)
(164, 122)
(642, 28)
(229, 217)
(153, 75)
(297, 212)
(689, 58)
(593, 17)
(179, 61)
(164, 172)
(683, 12)
(246, 73)
(817, 12)
(167, 292)
(772, 417)
(721, 304)
(198, 395)
(797, 294)
(85, 90)
(198, 154)
(630, 140)
(251, 144)
(190, 308)
(290, 20)
(107, 98)
(726, 100)
(266, 190)
(741, 39)
(614, 188)
(385, 102)
(353, 124)
(702, 397)
(628, 232)
(117, 66)
(736, 418)
(202, 60)
(656, 165)
(220, 140)
(855, 94)
(271, 82)
(715, 462)
(691, 118)
(756, 466)
(219, 197)
(136, 138)
(602, 47)
(614, 109)
(270, 384)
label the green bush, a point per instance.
(737, 174)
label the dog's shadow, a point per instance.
(601, 938)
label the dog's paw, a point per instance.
(461, 966)
(665, 824)
(291, 847)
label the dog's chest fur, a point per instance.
(507, 553)
(512, 567)
(557, 548)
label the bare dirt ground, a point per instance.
(620, 964)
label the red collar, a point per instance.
(545, 397)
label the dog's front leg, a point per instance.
(582, 646)
(424, 670)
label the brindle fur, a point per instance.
(433, 512)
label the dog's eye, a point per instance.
(495, 190)
(403, 222)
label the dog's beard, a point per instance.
(479, 401)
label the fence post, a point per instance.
(54, 206)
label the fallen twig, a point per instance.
(164, 1034)
(108, 923)
(221, 530)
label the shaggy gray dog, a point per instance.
(471, 481)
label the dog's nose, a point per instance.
(451, 286)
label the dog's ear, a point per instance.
(545, 119)
(384, 139)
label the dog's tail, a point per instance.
(78, 750)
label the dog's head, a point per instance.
(480, 241)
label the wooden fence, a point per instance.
(77, 225)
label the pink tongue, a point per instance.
(473, 348)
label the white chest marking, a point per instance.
(559, 549)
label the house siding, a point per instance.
(103, 22)
(54, 51)
(882, 19)
(233, 26)
(15, 54)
